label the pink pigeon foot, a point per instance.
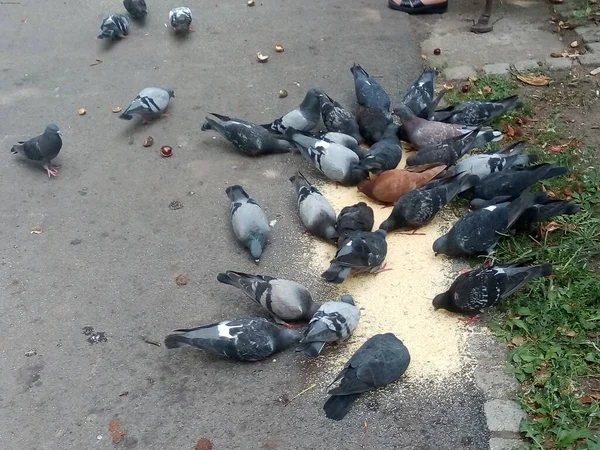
(381, 268)
(51, 170)
(165, 115)
(469, 320)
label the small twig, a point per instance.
(150, 341)
(98, 61)
(312, 386)
(364, 438)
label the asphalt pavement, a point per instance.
(110, 246)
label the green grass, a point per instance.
(553, 325)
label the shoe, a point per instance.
(417, 7)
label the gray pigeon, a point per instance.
(419, 97)
(180, 19)
(418, 207)
(42, 149)
(447, 152)
(247, 137)
(368, 91)
(136, 8)
(358, 217)
(285, 300)
(486, 286)
(338, 119)
(484, 164)
(316, 213)
(114, 27)
(336, 162)
(476, 112)
(248, 339)
(342, 139)
(362, 251)
(478, 231)
(303, 118)
(385, 154)
(543, 211)
(381, 360)
(250, 224)
(150, 103)
(372, 123)
(424, 133)
(333, 322)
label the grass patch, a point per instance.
(552, 326)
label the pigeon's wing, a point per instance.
(31, 149)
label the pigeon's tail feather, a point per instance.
(211, 124)
(512, 102)
(16, 148)
(519, 205)
(543, 270)
(311, 349)
(226, 278)
(515, 148)
(337, 406)
(221, 117)
(125, 115)
(336, 273)
(485, 136)
(522, 160)
(552, 172)
(177, 341)
(462, 182)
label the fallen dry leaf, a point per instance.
(518, 340)
(548, 227)
(117, 432)
(487, 91)
(279, 48)
(181, 280)
(509, 131)
(117, 109)
(203, 444)
(556, 55)
(448, 86)
(148, 141)
(534, 80)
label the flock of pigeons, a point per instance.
(497, 184)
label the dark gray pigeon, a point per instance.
(513, 181)
(476, 112)
(419, 96)
(150, 103)
(181, 19)
(359, 217)
(42, 149)
(251, 139)
(486, 286)
(136, 8)
(304, 118)
(447, 152)
(368, 91)
(333, 322)
(248, 339)
(484, 164)
(543, 211)
(336, 162)
(381, 360)
(418, 207)
(385, 154)
(372, 123)
(114, 27)
(249, 221)
(424, 133)
(316, 214)
(285, 300)
(342, 139)
(361, 250)
(477, 232)
(338, 119)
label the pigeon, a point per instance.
(316, 213)
(543, 211)
(364, 251)
(304, 118)
(476, 112)
(385, 154)
(248, 339)
(359, 217)
(381, 360)
(338, 119)
(419, 96)
(368, 91)
(180, 19)
(250, 224)
(446, 152)
(249, 138)
(484, 164)
(42, 149)
(513, 181)
(486, 286)
(150, 103)
(372, 123)
(423, 133)
(114, 27)
(343, 139)
(477, 232)
(336, 162)
(136, 8)
(417, 208)
(333, 322)
(285, 300)
(390, 185)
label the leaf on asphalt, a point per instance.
(117, 432)
(509, 132)
(181, 280)
(534, 80)
(203, 444)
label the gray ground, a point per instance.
(111, 247)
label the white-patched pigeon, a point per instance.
(180, 19)
(114, 27)
(358, 217)
(476, 112)
(150, 103)
(484, 164)
(338, 119)
(446, 152)
(42, 149)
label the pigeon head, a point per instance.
(388, 224)
(52, 129)
(171, 93)
(366, 186)
(356, 174)
(391, 131)
(381, 232)
(347, 298)
(442, 301)
(236, 192)
(206, 126)
(287, 337)
(312, 99)
(440, 245)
